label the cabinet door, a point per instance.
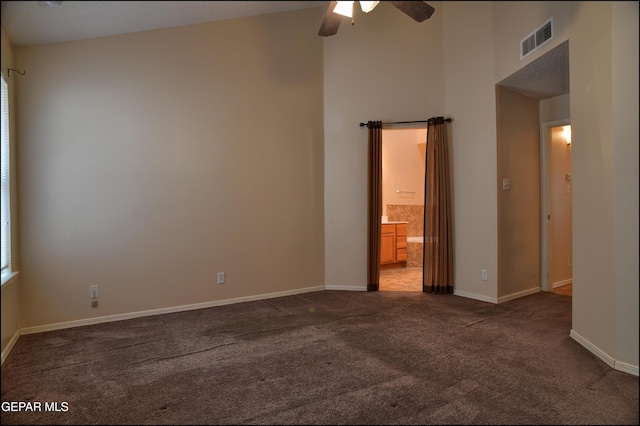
(388, 248)
(401, 255)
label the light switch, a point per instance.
(506, 184)
(93, 291)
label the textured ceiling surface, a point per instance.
(36, 22)
(546, 77)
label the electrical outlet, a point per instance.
(484, 275)
(93, 291)
(94, 303)
(220, 277)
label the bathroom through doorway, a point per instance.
(403, 174)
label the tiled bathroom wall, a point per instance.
(415, 251)
(414, 215)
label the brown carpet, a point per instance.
(328, 357)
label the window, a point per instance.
(5, 247)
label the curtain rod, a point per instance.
(13, 69)
(448, 120)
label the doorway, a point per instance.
(545, 82)
(556, 211)
(403, 174)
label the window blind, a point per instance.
(5, 244)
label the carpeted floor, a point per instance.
(329, 357)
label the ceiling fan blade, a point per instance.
(330, 21)
(417, 10)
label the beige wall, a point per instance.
(604, 111)
(590, 58)
(515, 20)
(385, 67)
(11, 289)
(470, 100)
(518, 159)
(403, 159)
(625, 38)
(556, 108)
(151, 161)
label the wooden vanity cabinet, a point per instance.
(393, 244)
(388, 244)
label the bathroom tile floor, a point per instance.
(401, 279)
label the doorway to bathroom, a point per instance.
(403, 174)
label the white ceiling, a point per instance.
(35, 22)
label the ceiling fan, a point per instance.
(418, 10)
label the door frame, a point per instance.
(373, 258)
(545, 201)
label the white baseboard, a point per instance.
(120, 317)
(499, 299)
(561, 283)
(607, 359)
(10, 345)
(345, 287)
(519, 294)
(474, 296)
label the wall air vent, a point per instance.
(536, 39)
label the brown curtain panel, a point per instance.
(437, 265)
(374, 216)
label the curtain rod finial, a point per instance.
(12, 69)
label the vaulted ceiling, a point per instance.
(39, 22)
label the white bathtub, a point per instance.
(414, 251)
(420, 240)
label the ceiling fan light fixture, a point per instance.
(344, 8)
(416, 10)
(368, 6)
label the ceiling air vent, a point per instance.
(536, 39)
